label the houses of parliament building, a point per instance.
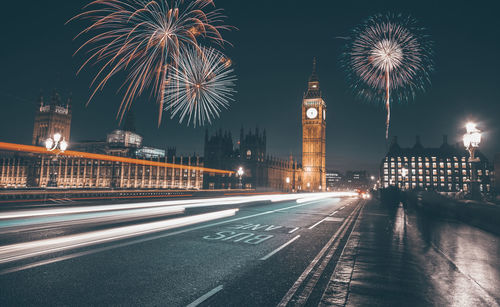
(119, 162)
(122, 162)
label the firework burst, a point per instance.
(145, 38)
(201, 85)
(388, 58)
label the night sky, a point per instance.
(273, 50)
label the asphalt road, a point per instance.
(258, 253)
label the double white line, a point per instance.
(330, 247)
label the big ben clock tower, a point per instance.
(313, 137)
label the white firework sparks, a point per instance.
(200, 86)
(388, 55)
(144, 38)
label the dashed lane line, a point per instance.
(279, 248)
(294, 230)
(106, 248)
(206, 296)
(317, 223)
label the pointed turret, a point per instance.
(314, 75)
(69, 100)
(40, 99)
(313, 90)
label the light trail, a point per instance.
(186, 203)
(19, 251)
(318, 196)
(87, 218)
(26, 250)
(92, 156)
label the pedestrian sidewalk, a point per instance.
(387, 262)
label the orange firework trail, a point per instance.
(145, 39)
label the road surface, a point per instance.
(258, 253)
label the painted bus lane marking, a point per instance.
(246, 233)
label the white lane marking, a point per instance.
(279, 248)
(334, 212)
(294, 230)
(98, 250)
(311, 227)
(341, 208)
(206, 296)
(291, 292)
(334, 219)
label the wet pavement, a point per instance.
(401, 256)
(250, 257)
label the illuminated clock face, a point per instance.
(312, 113)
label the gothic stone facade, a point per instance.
(314, 136)
(261, 170)
(52, 118)
(25, 170)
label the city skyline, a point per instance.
(249, 153)
(272, 78)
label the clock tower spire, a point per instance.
(313, 136)
(313, 90)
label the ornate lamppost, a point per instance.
(472, 139)
(57, 144)
(404, 174)
(240, 173)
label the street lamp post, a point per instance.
(472, 139)
(57, 144)
(240, 173)
(373, 183)
(404, 174)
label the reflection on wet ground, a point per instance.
(407, 258)
(470, 252)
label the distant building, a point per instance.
(260, 170)
(122, 142)
(122, 138)
(150, 153)
(333, 180)
(497, 173)
(445, 168)
(356, 180)
(51, 118)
